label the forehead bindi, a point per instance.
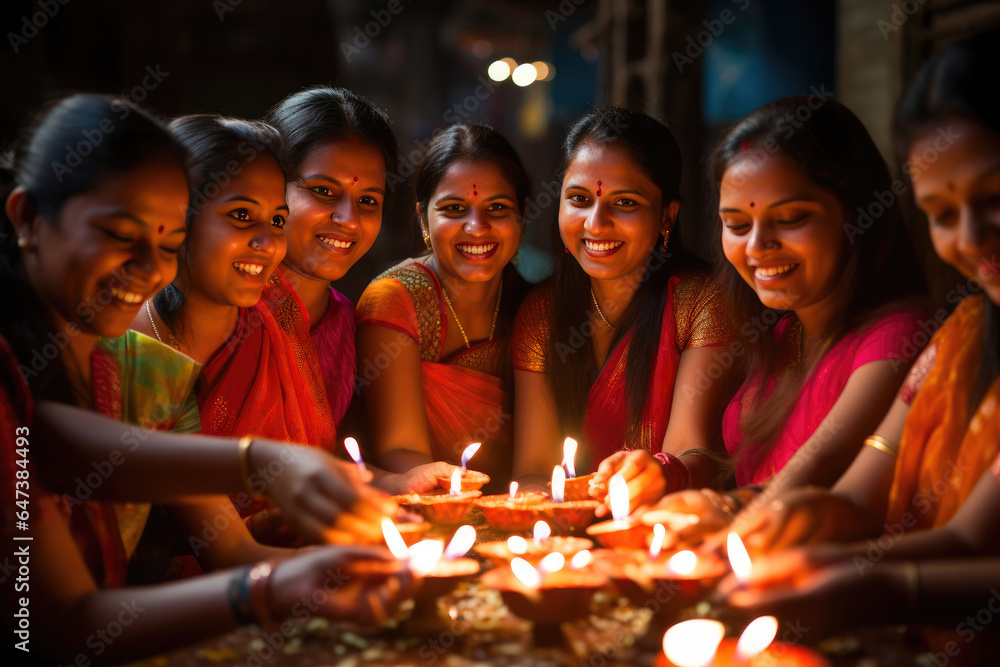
(599, 184)
(475, 191)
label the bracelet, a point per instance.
(237, 595)
(243, 451)
(912, 572)
(260, 600)
(679, 476)
(883, 445)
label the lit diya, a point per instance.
(532, 550)
(472, 480)
(700, 643)
(623, 530)
(440, 506)
(577, 488)
(568, 516)
(547, 594)
(511, 511)
(351, 445)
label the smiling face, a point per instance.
(335, 209)
(611, 214)
(237, 238)
(783, 233)
(473, 221)
(960, 194)
(111, 248)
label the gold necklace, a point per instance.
(172, 341)
(461, 329)
(599, 311)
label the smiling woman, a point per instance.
(447, 317)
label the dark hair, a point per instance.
(322, 114)
(218, 148)
(478, 143)
(834, 150)
(654, 150)
(955, 84)
(69, 148)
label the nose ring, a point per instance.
(770, 245)
(255, 244)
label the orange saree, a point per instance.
(943, 453)
(464, 394)
(265, 380)
(694, 316)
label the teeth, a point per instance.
(773, 270)
(252, 269)
(335, 243)
(476, 249)
(127, 297)
(600, 247)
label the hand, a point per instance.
(644, 474)
(712, 509)
(420, 479)
(269, 527)
(318, 495)
(318, 579)
(799, 516)
(812, 589)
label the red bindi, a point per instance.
(598, 188)
(745, 146)
(160, 230)
(751, 204)
(474, 191)
(355, 179)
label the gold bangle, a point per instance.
(912, 572)
(883, 445)
(243, 451)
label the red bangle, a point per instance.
(676, 474)
(260, 600)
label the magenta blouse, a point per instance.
(333, 336)
(896, 335)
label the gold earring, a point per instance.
(666, 239)
(427, 242)
(22, 242)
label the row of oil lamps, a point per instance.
(549, 579)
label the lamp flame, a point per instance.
(659, 532)
(581, 559)
(683, 562)
(469, 452)
(541, 532)
(552, 562)
(693, 643)
(393, 539)
(569, 457)
(739, 559)
(526, 574)
(618, 497)
(461, 542)
(456, 482)
(517, 544)
(558, 484)
(757, 637)
(423, 556)
(351, 445)
(513, 490)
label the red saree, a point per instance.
(266, 381)
(694, 316)
(464, 394)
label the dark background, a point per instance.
(682, 61)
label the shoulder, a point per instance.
(536, 308)
(409, 280)
(700, 315)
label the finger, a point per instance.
(337, 536)
(632, 465)
(308, 527)
(319, 507)
(337, 485)
(365, 531)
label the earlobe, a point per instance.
(22, 213)
(669, 218)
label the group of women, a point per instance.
(169, 323)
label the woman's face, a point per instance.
(237, 239)
(783, 233)
(958, 188)
(473, 221)
(611, 215)
(335, 208)
(111, 248)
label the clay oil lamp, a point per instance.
(419, 558)
(568, 516)
(577, 488)
(700, 643)
(622, 530)
(542, 543)
(472, 480)
(439, 506)
(511, 512)
(548, 594)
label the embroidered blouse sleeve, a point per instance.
(700, 315)
(532, 328)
